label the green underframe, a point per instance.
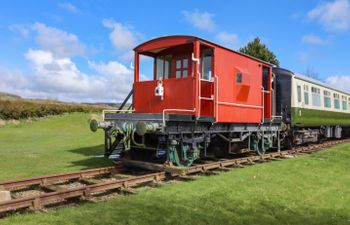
(313, 117)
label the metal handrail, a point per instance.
(175, 110)
(126, 99)
(115, 111)
(217, 98)
(240, 105)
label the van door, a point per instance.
(206, 94)
(266, 91)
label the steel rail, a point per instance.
(39, 201)
(45, 180)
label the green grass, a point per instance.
(313, 189)
(54, 145)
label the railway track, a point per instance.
(46, 191)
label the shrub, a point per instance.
(23, 109)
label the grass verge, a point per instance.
(312, 189)
(53, 145)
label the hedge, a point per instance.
(21, 109)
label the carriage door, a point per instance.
(266, 84)
(206, 94)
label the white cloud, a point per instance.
(69, 7)
(313, 39)
(334, 16)
(21, 29)
(60, 78)
(296, 15)
(122, 37)
(39, 56)
(200, 20)
(55, 75)
(59, 42)
(118, 78)
(340, 82)
(13, 81)
(112, 67)
(307, 56)
(304, 57)
(60, 75)
(229, 40)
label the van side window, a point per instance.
(239, 77)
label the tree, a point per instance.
(259, 50)
(310, 72)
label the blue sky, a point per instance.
(81, 50)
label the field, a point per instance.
(52, 145)
(312, 189)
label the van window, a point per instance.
(163, 65)
(182, 66)
(239, 78)
(206, 64)
(265, 79)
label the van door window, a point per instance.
(265, 78)
(206, 64)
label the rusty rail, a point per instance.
(45, 180)
(42, 200)
(38, 202)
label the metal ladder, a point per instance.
(212, 98)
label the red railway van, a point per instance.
(194, 76)
(202, 99)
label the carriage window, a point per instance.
(163, 65)
(344, 103)
(327, 99)
(306, 94)
(206, 63)
(299, 93)
(336, 101)
(316, 98)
